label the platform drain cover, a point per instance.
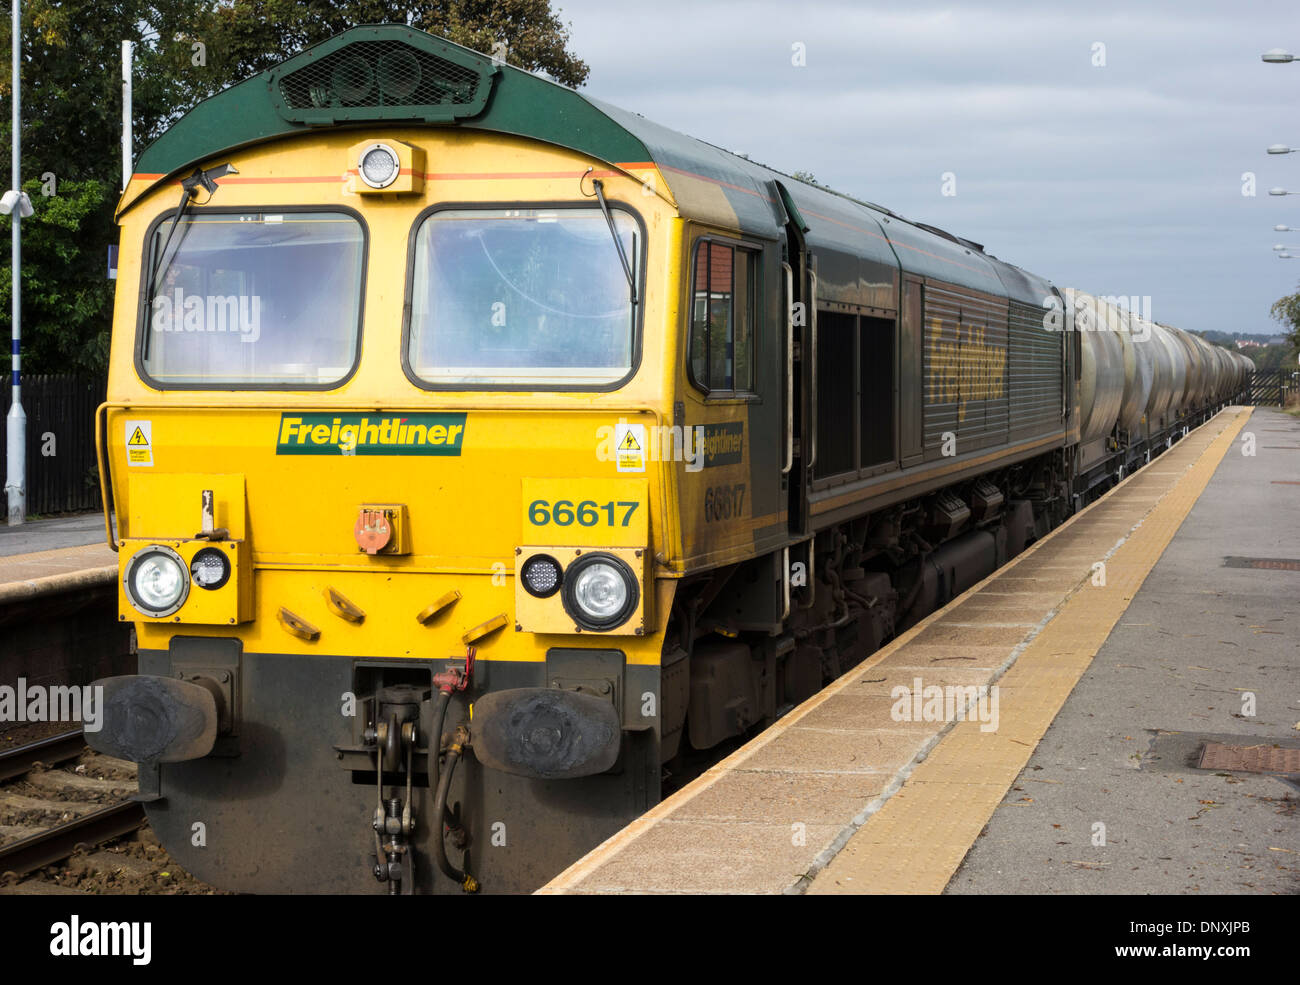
(1249, 759)
(1266, 563)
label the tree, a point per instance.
(1287, 311)
(185, 50)
(249, 36)
(71, 108)
(67, 296)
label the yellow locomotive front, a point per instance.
(376, 440)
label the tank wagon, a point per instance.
(479, 450)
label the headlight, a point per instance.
(156, 581)
(378, 166)
(600, 592)
(541, 576)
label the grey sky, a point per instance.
(1124, 179)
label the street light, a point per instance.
(24, 204)
(1277, 56)
(16, 204)
(1280, 248)
(1281, 191)
(1285, 229)
(1281, 149)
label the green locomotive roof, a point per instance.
(394, 75)
(388, 74)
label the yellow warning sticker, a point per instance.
(629, 447)
(139, 443)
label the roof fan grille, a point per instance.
(379, 74)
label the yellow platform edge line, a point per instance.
(917, 840)
(569, 879)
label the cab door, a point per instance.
(798, 350)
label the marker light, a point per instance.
(156, 581)
(378, 165)
(600, 593)
(541, 576)
(210, 568)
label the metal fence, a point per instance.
(61, 471)
(1269, 387)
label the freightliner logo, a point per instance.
(370, 434)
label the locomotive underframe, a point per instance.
(284, 803)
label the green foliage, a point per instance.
(249, 36)
(184, 51)
(1287, 311)
(67, 298)
(1268, 356)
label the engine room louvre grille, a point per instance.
(379, 74)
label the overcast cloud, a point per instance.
(1124, 179)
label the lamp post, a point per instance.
(127, 47)
(1281, 191)
(1282, 149)
(16, 204)
(1277, 56)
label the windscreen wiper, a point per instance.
(627, 267)
(189, 188)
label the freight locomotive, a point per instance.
(478, 450)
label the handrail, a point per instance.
(789, 368)
(812, 374)
(105, 474)
(785, 583)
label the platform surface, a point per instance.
(52, 533)
(58, 554)
(844, 795)
(1202, 641)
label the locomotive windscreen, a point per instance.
(254, 299)
(525, 297)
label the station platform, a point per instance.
(45, 557)
(884, 781)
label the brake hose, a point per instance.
(454, 751)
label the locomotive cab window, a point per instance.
(723, 306)
(523, 298)
(252, 299)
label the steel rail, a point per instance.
(54, 749)
(47, 847)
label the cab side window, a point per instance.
(723, 307)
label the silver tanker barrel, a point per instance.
(1139, 368)
(1101, 375)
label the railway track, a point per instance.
(49, 751)
(67, 825)
(47, 813)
